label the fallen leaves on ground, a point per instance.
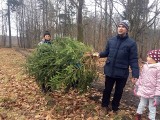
(21, 98)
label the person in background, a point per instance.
(46, 38)
(148, 85)
(121, 52)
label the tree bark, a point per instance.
(79, 21)
(9, 25)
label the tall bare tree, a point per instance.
(12, 5)
(9, 22)
(79, 4)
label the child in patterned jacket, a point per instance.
(147, 87)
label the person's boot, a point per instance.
(138, 117)
(49, 89)
(43, 88)
(105, 110)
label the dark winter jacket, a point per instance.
(44, 41)
(121, 53)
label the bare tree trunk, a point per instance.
(65, 19)
(17, 26)
(95, 25)
(9, 25)
(57, 19)
(44, 25)
(100, 30)
(22, 29)
(46, 8)
(110, 18)
(3, 31)
(106, 18)
(79, 21)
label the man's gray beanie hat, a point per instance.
(125, 23)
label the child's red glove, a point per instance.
(156, 101)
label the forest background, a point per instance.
(89, 21)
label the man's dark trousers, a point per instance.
(109, 83)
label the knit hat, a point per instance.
(155, 54)
(125, 23)
(46, 33)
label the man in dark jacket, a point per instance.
(121, 52)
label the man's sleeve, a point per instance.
(133, 60)
(105, 52)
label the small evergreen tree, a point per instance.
(62, 65)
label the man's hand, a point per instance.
(134, 80)
(96, 54)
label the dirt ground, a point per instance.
(21, 98)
